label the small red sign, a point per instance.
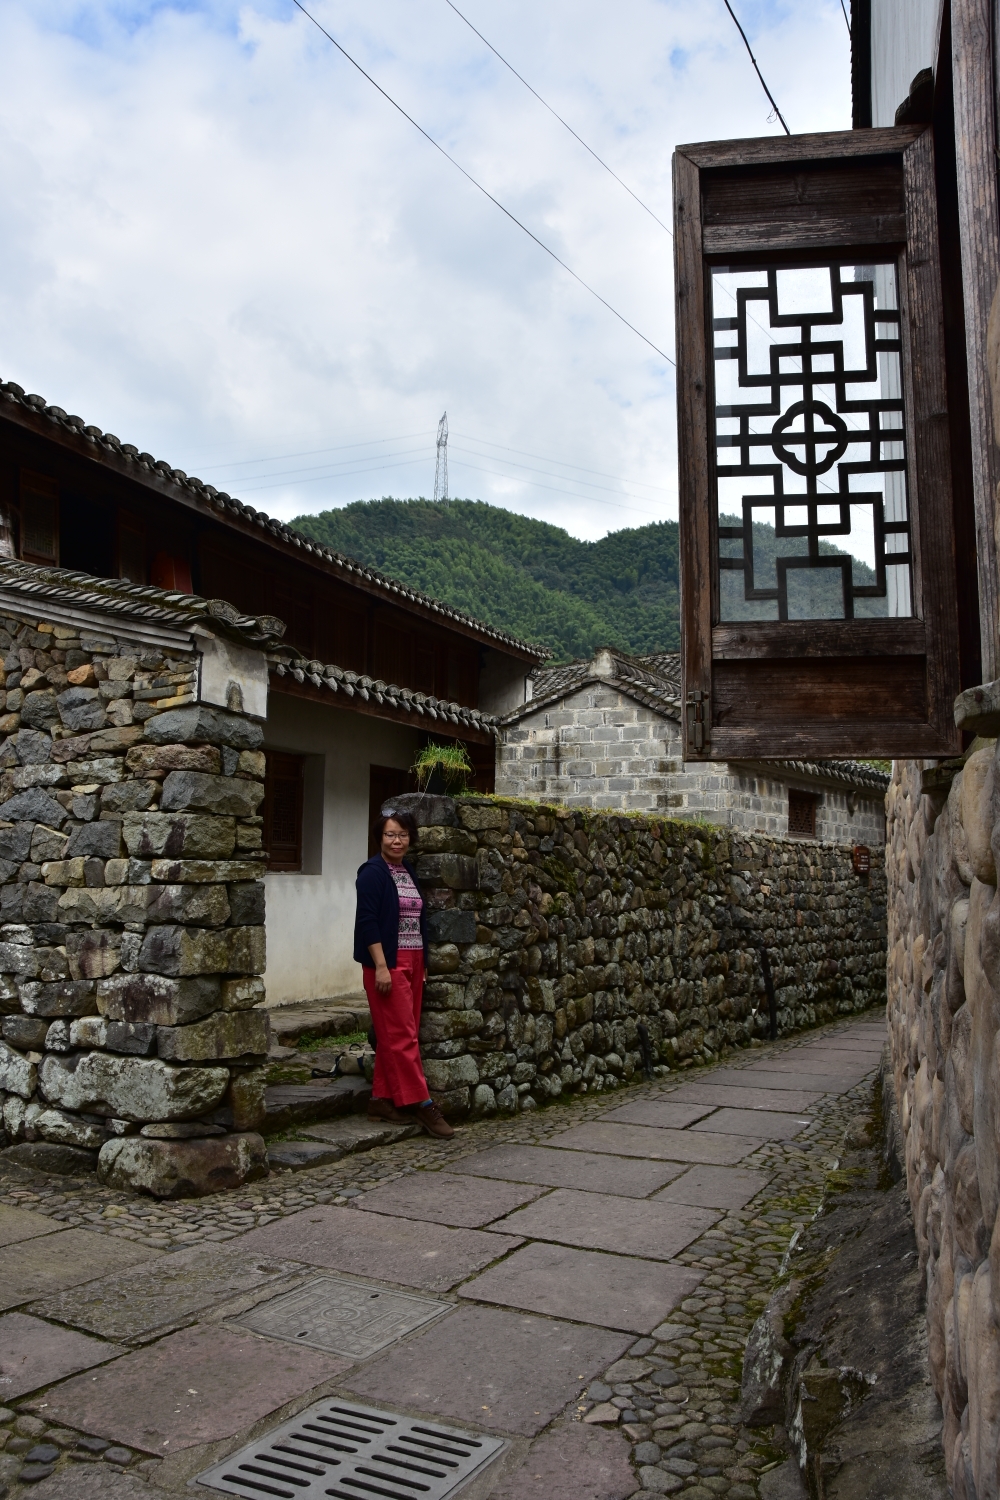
(862, 856)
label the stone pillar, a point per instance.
(132, 912)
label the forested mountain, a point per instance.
(544, 585)
(524, 576)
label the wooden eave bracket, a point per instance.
(977, 710)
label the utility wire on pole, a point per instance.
(559, 117)
(441, 467)
(760, 75)
(486, 193)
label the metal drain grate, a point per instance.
(346, 1452)
(347, 1317)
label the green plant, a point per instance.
(450, 762)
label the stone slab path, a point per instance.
(579, 1280)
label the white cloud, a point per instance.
(222, 244)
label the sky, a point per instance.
(222, 244)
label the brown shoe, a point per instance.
(386, 1111)
(433, 1121)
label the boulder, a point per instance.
(242, 993)
(69, 1130)
(81, 708)
(452, 926)
(145, 758)
(183, 1169)
(17, 1074)
(33, 806)
(130, 1088)
(210, 725)
(977, 813)
(151, 835)
(199, 905)
(199, 950)
(102, 840)
(429, 810)
(195, 791)
(206, 871)
(446, 1073)
(457, 871)
(39, 709)
(49, 1156)
(767, 1362)
(157, 998)
(66, 997)
(236, 1033)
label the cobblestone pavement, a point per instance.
(658, 1292)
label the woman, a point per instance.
(390, 942)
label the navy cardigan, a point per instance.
(377, 920)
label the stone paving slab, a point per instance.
(496, 1368)
(612, 1291)
(591, 1172)
(657, 1145)
(765, 1124)
(381, 1247)
(790, 1101)
(465, 1202)
(197, 1386)
(573, 1462)
(175, 1290)
(33, 1354)
(20, 1224)
(844, 1065)
(96, 1482)
(829, 1083)
(714, 1187)
(594, 1221)
(355, 1133)
(55, 1261)
(669, 1113)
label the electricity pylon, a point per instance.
(441, 468)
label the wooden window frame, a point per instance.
(810, 799)
(39, 490)
(828, 688)
(284, 767)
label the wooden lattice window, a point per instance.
(39, 518)
(283, 788)
(801, 814)
(818, 573)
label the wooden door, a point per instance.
(818, 570)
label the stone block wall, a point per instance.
(944, 1031)
(561, 936)
(598, 748)
(131, 915)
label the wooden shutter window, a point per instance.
(39, 518)
(283, 782)
(801, 814)
(819, 608)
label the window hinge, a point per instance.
(697, 711)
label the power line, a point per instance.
(570, 478)
(847, 18)
(558, 116)
(547, 458)
(239, 463)
(496, 201)
(760, 75)
(590, 499)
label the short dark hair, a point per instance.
(404, 819)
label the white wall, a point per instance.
(310, 916)
(904, 35)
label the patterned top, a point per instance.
(410, 906)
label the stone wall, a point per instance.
(601, 749)
(131, 914)
(944, 1030)
(561, 935)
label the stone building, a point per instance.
(379, 667)
(606, 733)
(132, 940)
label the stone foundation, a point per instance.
(131, 913)
(944, 1030)
(572, 949)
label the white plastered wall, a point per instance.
(310, 916)
(904, 33)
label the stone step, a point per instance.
(317, 1018)
(330, 1140)
(289, 1105)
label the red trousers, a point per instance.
(399, 1074)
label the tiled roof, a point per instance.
(115, 597)
(655, 682)
(225, 505)
(421, 705)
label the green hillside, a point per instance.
(524, 576)
(544, 585)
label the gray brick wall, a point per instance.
(600, 749)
